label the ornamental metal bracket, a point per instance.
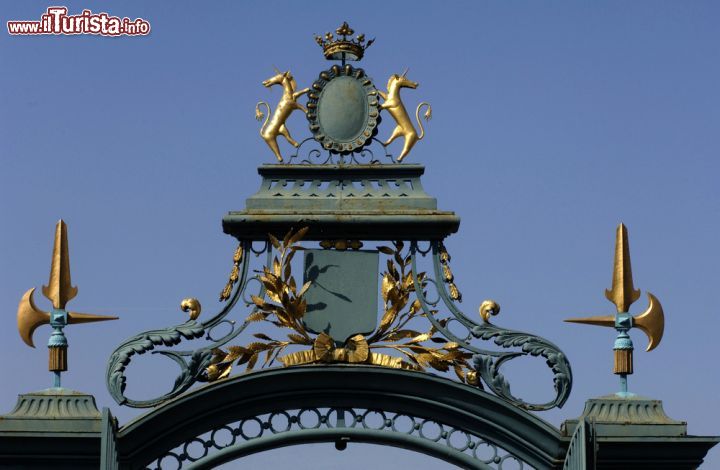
(417, 331)
(488, 363)
(192, 363)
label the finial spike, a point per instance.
(623, 292)
(598, 321)
(59, 289)
(75, 317)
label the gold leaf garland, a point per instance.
(234, 274)
(286, 308)
(448, 277)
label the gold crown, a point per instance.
(344, 47)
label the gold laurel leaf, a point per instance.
(274, 241)
(263, 336)
(454, 292)
(420, 338)
(447, 274)
(255, 316)
(295, 338)
(388, 317)
(238, 254)
(401, 334)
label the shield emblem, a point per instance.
(343, 295)
(343, 109)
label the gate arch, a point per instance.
(327, 394)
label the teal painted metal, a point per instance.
(108, 442)
(580, 454)
(259, 411)
(192, 363)
(623, 324)
(343, 109)
(634, 432)
(55, 428)
(613, 415)
(372, 189)
(367, 436)
(369, 202)
(363, 202)
(343, 294)
(310, 152)
(58, 321)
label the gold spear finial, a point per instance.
(59, 290)
(623, 292)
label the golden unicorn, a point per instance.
(396, 108)
(275, 125)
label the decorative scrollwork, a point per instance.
(409, 297)
(486, 362)
(489, 367)
(193, 364)
(314, 154)
(145, 342)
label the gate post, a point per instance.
(55, 428)
(631, 432)
(580, 453)
(108, 442)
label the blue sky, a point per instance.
(552, 123)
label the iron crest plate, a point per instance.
(343, 297)
(343, 109)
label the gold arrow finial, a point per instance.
(59, 290)
(622, 293)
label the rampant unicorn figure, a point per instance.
(396, 108)
(275, 125)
